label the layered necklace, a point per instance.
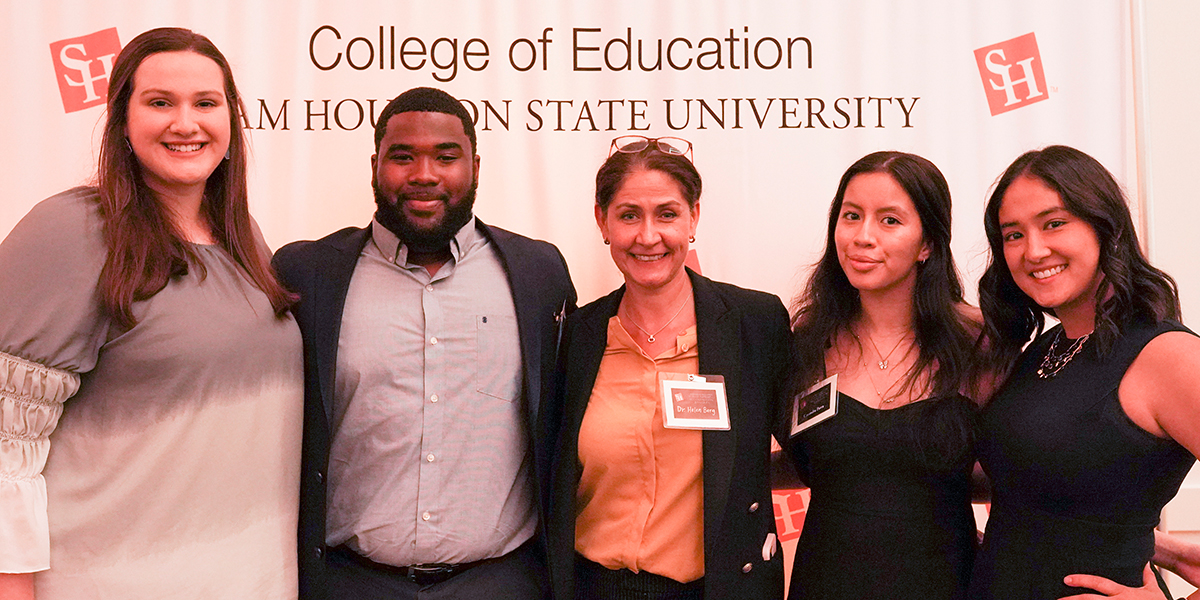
(1053, 363)
(650, 336)
(885, 396)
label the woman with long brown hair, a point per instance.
(150, 375)
(890, 473)
(1099, 420)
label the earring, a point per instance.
(606, 242)
(692, 239)
(227, 153)
(128, 145)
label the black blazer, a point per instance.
(320, 272)
(744, 336)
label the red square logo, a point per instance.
(1012, 74)
(790, 508)
(82, 66)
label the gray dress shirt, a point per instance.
(429, 459)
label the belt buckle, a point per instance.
(428, 573)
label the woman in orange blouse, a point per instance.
(644, 506)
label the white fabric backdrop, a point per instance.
(767, 188)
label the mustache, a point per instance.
(422, 196)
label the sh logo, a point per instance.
(82, 66)
(1012, 74)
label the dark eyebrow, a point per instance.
(160, 92)
(1044, 213)
(411, 148)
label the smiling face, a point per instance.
(878, 235)
(648, 225)
(424, 176)
(1053, 255)
(178, 123)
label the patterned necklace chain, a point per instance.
(1053, 363)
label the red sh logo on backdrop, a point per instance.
(82, 66)
(1012, 74)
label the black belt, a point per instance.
(426, 574)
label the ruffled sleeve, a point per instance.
(51, 330)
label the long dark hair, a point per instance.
(144, 247)
(1138, 290)
(830, 304)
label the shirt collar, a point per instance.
(397, 252)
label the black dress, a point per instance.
(1077, 487)
(890, 515)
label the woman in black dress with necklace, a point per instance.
(890, 473)
(1099, 421)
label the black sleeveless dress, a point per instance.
(1077, 487)
(890, 515)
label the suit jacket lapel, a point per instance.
(718, 333)
(332, 284)
(525, 296)
(588, 341)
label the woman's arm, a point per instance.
(16, 586)
(1161, 394)
(1178, 555)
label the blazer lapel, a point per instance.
(588, 341)
(718, 335)
(332, 284)
(526, 302)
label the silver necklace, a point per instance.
(650, 336)
(1052, 363)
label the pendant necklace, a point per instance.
(650, 336)
(1052, 363)
(885, 396)
(883, 360)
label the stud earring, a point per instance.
(606, 242)
(692, 239)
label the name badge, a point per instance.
(694, 401)
(815, 404)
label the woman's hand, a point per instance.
(16, 586)
(1111, 589)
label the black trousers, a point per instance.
(596, 582)
(518, 575)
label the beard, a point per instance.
(389, 214)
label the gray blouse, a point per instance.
(156, 462)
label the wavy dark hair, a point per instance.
(145, 250)
(829, 304)
(1131, 290)
(618, 166)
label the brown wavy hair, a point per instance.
(145, 250)
(1139, 291)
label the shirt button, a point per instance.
(429, 288)
(318, 551)
(747, 567)
(433, 340)
(425, 517)
(753, 506)
(433, 398)
(429, 457)
(320, 477)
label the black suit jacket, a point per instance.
(744, 336)
(320, 272)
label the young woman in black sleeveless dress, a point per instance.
(890, 515)
(1099, 421)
